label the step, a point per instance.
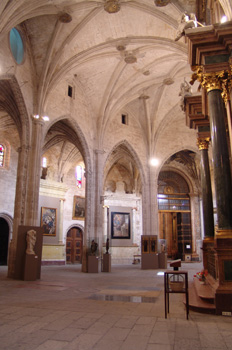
(204, 291)
(198, 304)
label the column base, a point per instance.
(223, 248)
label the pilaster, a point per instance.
(34, 168)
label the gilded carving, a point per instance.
(203, 143)
(214, 81)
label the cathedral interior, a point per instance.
(115, 125)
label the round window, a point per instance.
(16, 45)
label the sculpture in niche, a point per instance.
(185, 90)
(31, 239)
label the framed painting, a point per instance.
(78, 208)
(48, 221)
(120, 225)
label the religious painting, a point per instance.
(78, 208)
(48, 221)
(120, 225)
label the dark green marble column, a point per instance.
(221, 163)
(207, 201)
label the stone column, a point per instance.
(149, 204)
(221, 162)
(218, 85)
(94, 208)
(19, 209)
(98, 192)
(207, 201)
(61, 238)
(34, 167)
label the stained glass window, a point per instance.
(79, 172)
(44, 162)
(16, 45)
(2, 155)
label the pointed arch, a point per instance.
(13, 103)
(66, 128)
(123, 149)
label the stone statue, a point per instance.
(31, 239)
(185, 90)
(93, 248)
(187, 21)
(107, 245)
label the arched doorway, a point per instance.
(4, 240)
(74, 246)
(175, 215)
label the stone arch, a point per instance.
(74, 225)
(67, 127)
(193, 212)
(13, 103)
(82, 145)
(186, 177)
(127, 150)
(15, 106)
(193, 183)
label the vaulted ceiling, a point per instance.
(115, 60)
(121, 59)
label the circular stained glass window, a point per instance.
(16, 45)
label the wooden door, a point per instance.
(168, 231)
(4, 239)
(74, 244)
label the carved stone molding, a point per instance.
(112, 6)
(53, 189)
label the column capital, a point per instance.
(220, 80)
(38, 121)
(203, 143)
(99, 151)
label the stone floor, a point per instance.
(124, 309)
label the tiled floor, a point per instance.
(124, 309)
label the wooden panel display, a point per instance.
(149, 244)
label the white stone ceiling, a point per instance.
(89, 53)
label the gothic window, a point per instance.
(16, 45)
(44, 162)
(70, 91)
(79, 173)
(124, 119)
